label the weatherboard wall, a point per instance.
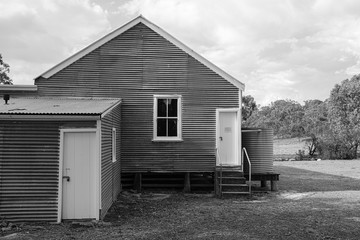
(135, 66)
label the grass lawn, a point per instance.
(288, 145)
(287, 148)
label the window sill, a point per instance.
(167, 140)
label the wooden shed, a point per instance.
(59, 158)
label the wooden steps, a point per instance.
(230, 180)
(235, 193)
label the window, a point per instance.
(113, 142)
(167, 118)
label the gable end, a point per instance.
(156, 29)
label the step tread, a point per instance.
(235, 192)
(234, 184)
(233, 178)
(228, 166)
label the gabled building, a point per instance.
(179, 114)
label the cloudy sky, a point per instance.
(280, 49)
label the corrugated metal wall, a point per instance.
(29, 167)
(134, 66)
(110, 171)
(259, 145)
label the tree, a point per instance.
(4, 71)
(248, 107)
(283, 116)
(344, 115)
(315, 123)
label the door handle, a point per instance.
(67, 178)
(220, 138)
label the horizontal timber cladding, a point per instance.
(29, 169)
(135, 66)
(110, 171)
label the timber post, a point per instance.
(187, 184)
(273, 185)
(137, 182)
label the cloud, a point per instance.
(279, 49)
(39, 34)
(273, 47)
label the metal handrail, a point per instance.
(217, 156)
(249, 162)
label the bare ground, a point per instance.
(316, 200)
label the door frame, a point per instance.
(237, 133)
(97, 170)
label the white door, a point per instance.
(227, 138)
(79, 175)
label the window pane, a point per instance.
(161, 127)
(173, 107)
(172, 127)
(161, 107)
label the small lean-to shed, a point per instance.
(177, 107)
(59, 158)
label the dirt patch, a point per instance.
(310, 205)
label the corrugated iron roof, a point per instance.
(57, 106)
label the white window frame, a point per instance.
(179, 118)
(113, 143)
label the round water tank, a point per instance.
(258, 143)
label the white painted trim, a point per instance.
(79, 130)
(161, 32)
(237, 132)
(61, 165)
(240, 132)
(113, 145)
(49, 117)
(61, 162)
(98, 182)
(167, 96)
(179, 108)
